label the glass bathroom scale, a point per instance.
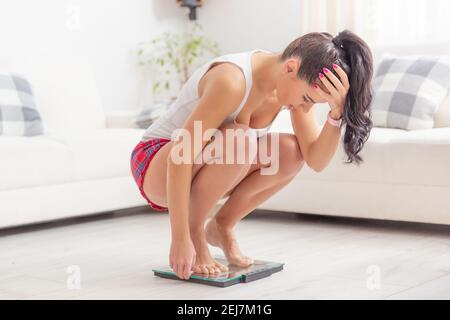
(259, 269)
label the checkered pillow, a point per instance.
(18, 113)
(408, 90)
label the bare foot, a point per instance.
(225, 239)
(204, 262)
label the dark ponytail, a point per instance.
(357, 113)
(353, 55)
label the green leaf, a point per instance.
(155, 87)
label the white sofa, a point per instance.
(82, 166)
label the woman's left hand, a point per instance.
(338, 92)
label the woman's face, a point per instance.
(295, 92)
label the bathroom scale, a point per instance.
(258, 270)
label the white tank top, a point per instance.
(186, 101)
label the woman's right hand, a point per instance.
(182, 257)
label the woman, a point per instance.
(246, 91)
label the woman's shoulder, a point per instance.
(225, 75)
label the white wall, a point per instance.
(104, 30)
(244, 25)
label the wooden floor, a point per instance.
(325, 258)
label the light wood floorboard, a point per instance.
(325, 258)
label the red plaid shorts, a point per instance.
(141, 156)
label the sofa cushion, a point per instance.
(150, 114)
(442, 115)
(18, 113)
(101, 154)
(28, 162)
(64, 158)
(408, 90)
(395, 156)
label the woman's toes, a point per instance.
(196, 269)
(213, 269)
(204, 269)
(221, 267)
(249, 260)
(241, 261)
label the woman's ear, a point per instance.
(292, 65)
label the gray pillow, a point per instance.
(148, 115)
(408, 90)
(18, 113)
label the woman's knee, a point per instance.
(291, 158)
(238, 144)
(236, 151)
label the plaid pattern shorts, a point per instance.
(141, 156)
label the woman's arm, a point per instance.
(318, 148)
(324, 147)
(222, 95)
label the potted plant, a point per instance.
(171, 59)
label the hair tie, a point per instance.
(337, 42)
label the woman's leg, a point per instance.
(210, 182)
(253, 190)
(210, 185)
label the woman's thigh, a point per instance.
(156, 175)
(279, 150)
